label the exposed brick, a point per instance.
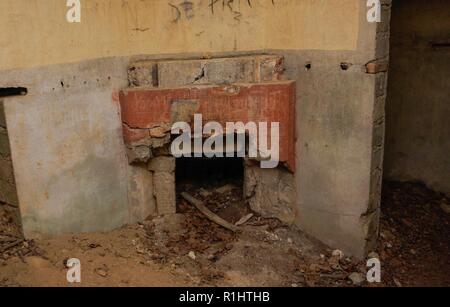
(133, 135)
(377, 67)
(268, 102)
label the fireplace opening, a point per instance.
(216, 182)
(210, 173)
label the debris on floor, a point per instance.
(12, 243)
(414, 243)
(188, 249)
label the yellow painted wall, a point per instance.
(35, 32)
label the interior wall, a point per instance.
(66, 133)
(129, 27)
(418, 102)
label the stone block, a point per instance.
(164, 191)
(143, 74)
(138, 154)
(230, 70)
(141, 194)
(162, 164)
(180, 73)
(271, 192)
(174, 73)
(134, 135)
(270, 68)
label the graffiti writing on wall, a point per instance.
(186, 9)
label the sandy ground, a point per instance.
(189, 250)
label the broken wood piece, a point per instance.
(10, 235)
(210, 215)
(10, 245)
(225, 189)
(244, 219)
(7, 240)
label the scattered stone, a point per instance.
(225, 189)
(192, 255)
(101, 272)
(357, 278)
(338, 253)
(204, 193)
(211, 257)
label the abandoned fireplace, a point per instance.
(222, 90)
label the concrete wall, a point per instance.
(130, 27)
(340, 123)
(418, 104)
(71, 169)
(66, 147)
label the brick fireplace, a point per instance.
(235, 89)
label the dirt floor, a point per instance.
(189, 250)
